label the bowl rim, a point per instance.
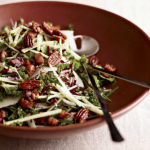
(91, 122)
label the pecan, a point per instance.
(25, 103)
(39, 58)
(40, 121)
(32, 94)
(30, 69)
(17, 62)
(29, 38)
(56, 27)
(57, 38)
(2, 114)
(110, 67)
(3, 54)
(93, 60)
(64, 114)
(29, 41)
(28, 25)
(54, 59)
(32, 34)
(27, 62)
(48, 29)
(52, 121)
(37, 27)
(81, 115)
(30, 84)
(59, 33)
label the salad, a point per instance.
(43, 81)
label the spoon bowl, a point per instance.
(89, 46)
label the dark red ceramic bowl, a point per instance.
(121, 43)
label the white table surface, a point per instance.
(135, 125)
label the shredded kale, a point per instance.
(11, 90)
(1, 67)
(22, 73)
(65, 122)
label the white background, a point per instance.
(135, 125)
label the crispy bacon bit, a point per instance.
(28, 95)
(29, 38)
(39, 59)
(37, 27)
(64, 114)
(27, 62)
(3, 54)
(2, 114)
(32, 94)
(30, 69)
(17, 62)
(81, 115)
(59, 33)
(57, 38)
(30, 84)
(35, 94)
(40, 121)
(105, 75)
(110, 67)
(54, 59)
(48, 29)
(25, 103)
(93, 60)
(52, 121)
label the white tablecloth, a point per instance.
(134, 126)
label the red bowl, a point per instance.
(121, 43)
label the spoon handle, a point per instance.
(146, 85)
(116, 136)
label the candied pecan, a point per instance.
(32, 34)
(27, 62)
(17, 62)
(59, 33)
(110, 67)
(48, 29)
(37, 27)
(25, 103)
(57, 38)
(81, 115)
(93, 60)
(3, 54)
(28, 25)
(30, 69)
(54, 59)
(39, 58)
(56, 27)
(2, 114)
(29, 38)
(32, 94)
(40, 121)
(64, 114)
(52, 121)
(30, 84)
(29, 41)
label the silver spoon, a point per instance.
(89, 46)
